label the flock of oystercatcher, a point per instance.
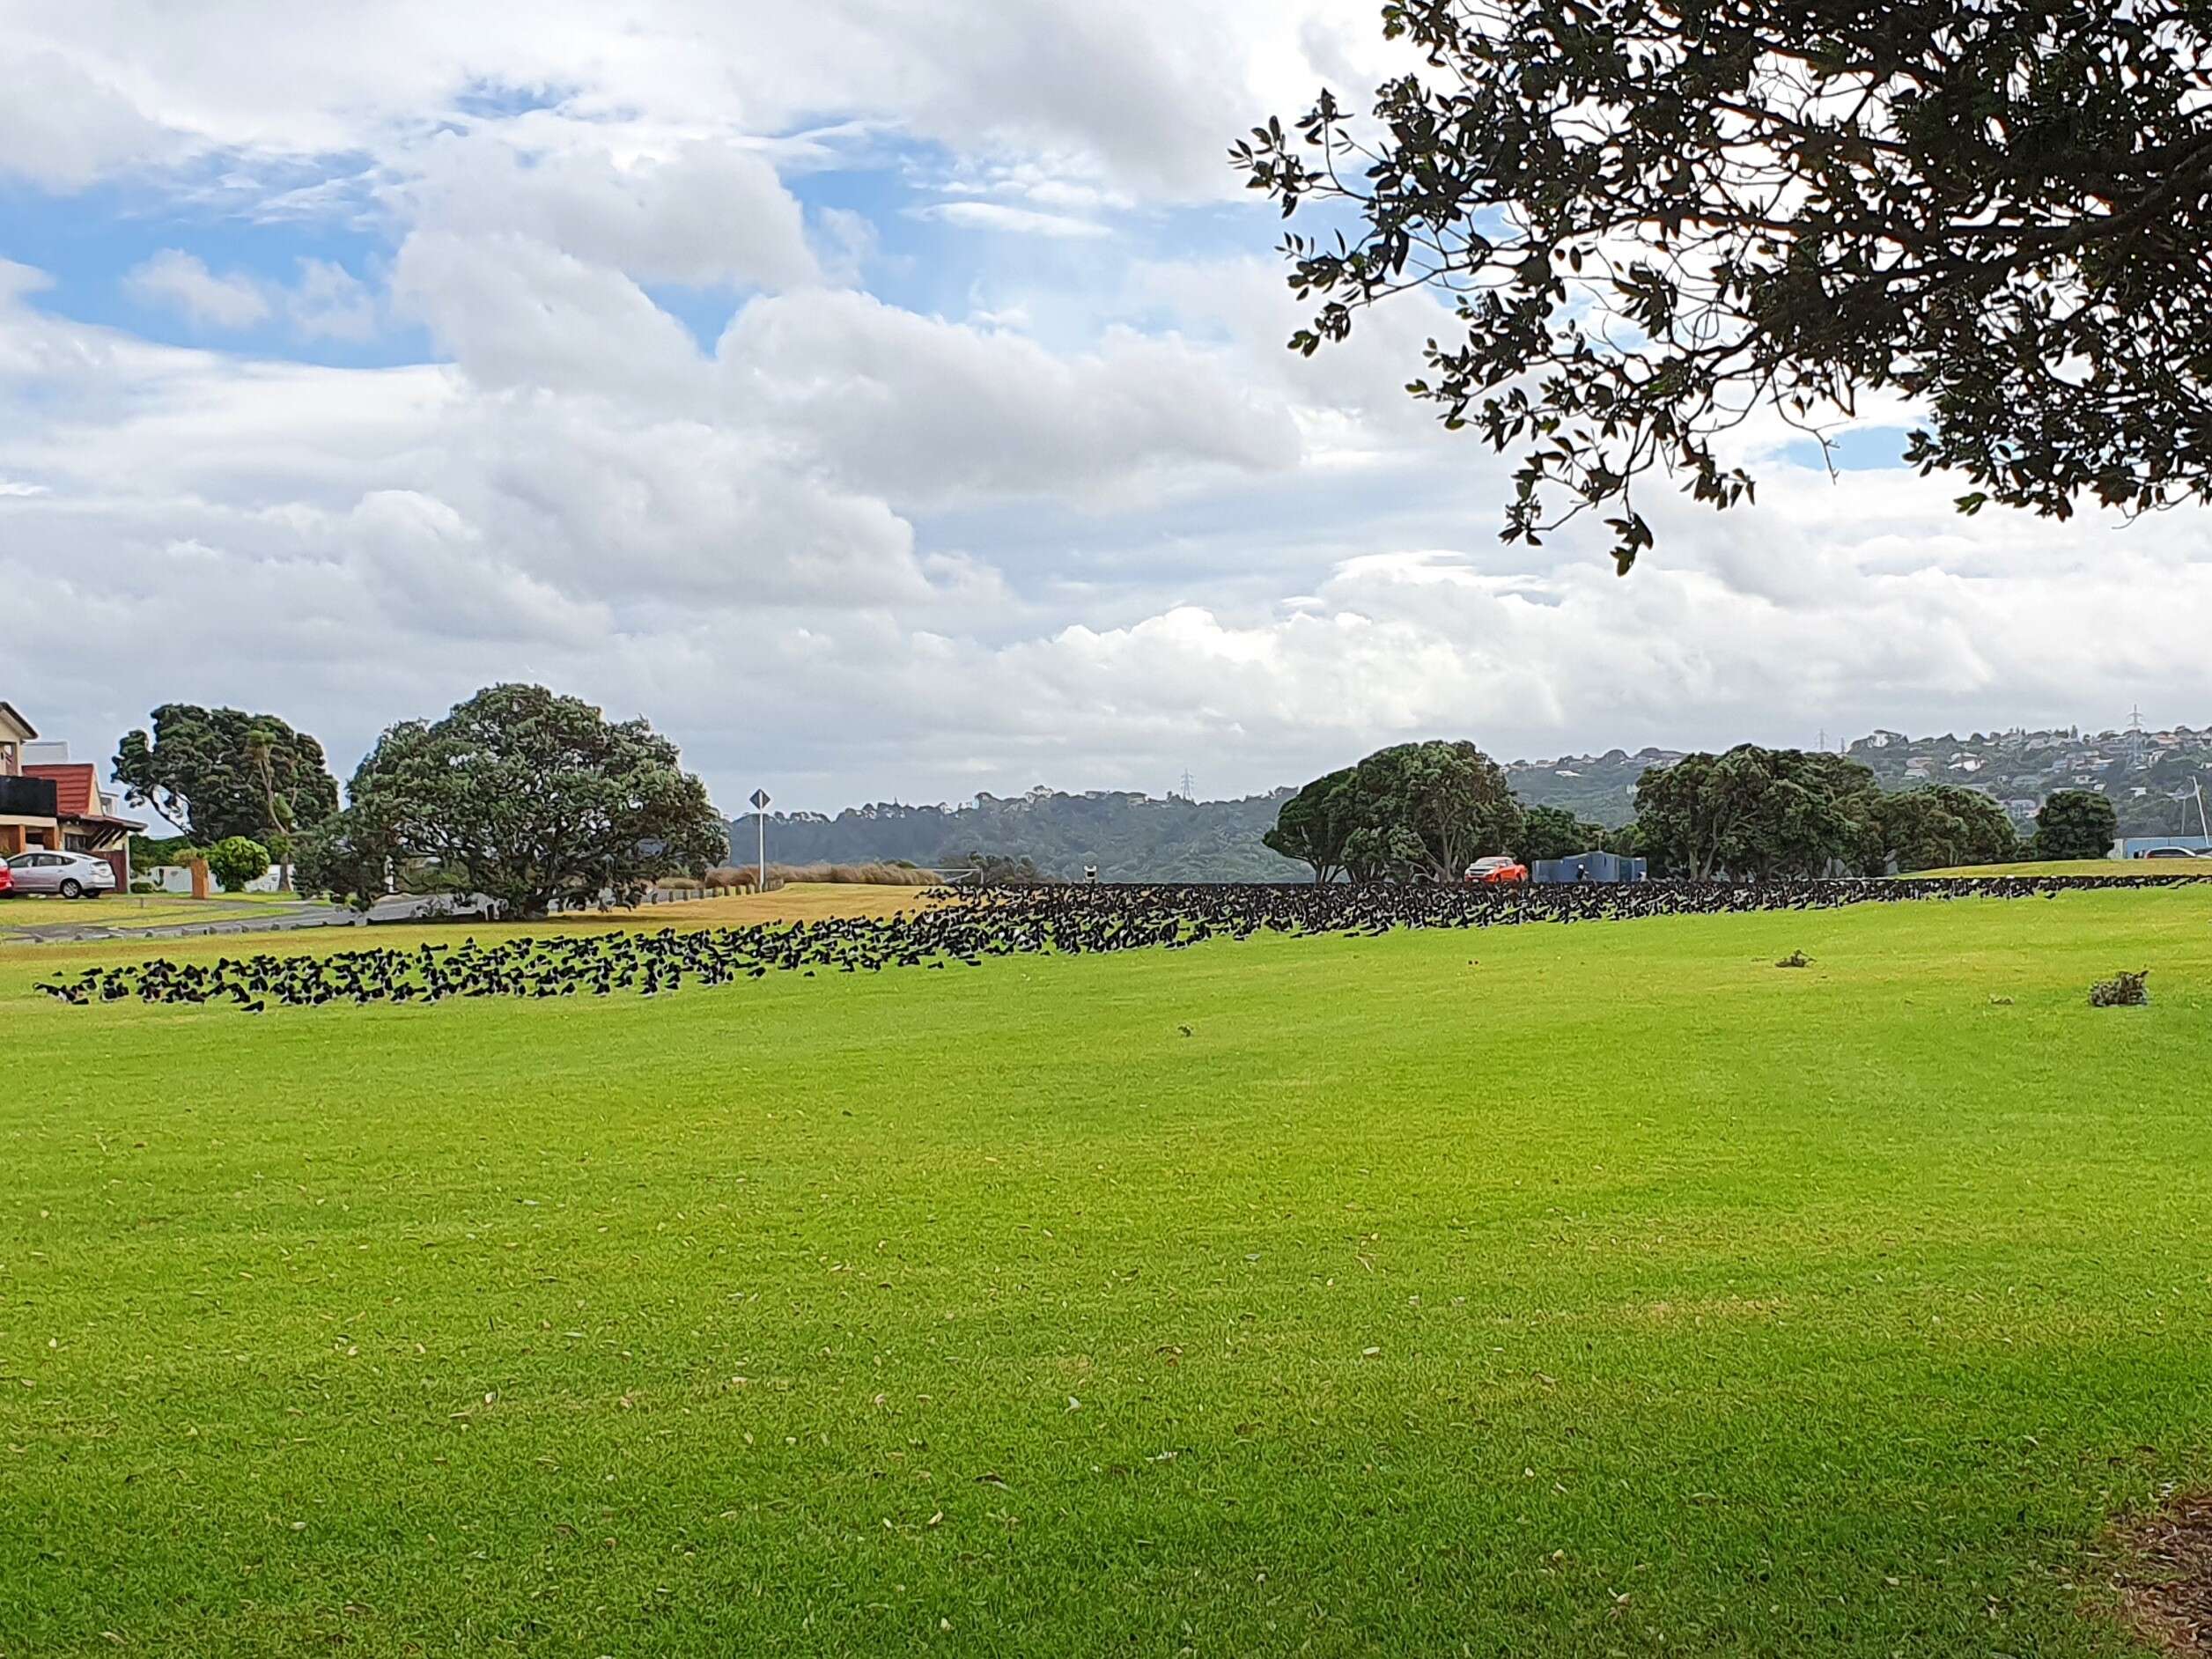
(962, 927)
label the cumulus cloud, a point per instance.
(932, 413)
(330, 302)
(998, 216)
(516, 311)
(1143, 96)
(326, 301)
(182, 282)
(705, 214)
(60, 128)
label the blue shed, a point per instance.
(1587, 867)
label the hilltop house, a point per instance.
(49, 800)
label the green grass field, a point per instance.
(1601, 1289)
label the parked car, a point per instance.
(7, 879)
(1492, 871)
(2169, 852)
(69, 874)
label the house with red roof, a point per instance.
(46, 800)
(27, 815)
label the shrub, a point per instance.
(237, 860)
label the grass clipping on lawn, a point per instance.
(2165, 1579)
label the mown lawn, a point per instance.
(1594, 1289)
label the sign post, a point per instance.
(760, 818)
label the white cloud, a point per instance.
(515, 311)
(60, 128)
(1144, 96)
(182, 282)
(330, 302)
(997, 216)
(932, 413)
(707, 214)
(325, 302)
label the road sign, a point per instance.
(760, 822)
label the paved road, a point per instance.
(271, 919)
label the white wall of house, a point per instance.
(174, 878)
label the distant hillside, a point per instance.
(2149, 775)
(1131, 837)
(1599, 787)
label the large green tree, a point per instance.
(1314, 824)
(1756, 812)
(1427, 810)
(216, 773)
(1942, 825)
(530, 799)
(1651, 218)
(2076, 824)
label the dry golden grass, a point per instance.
(796, 902)
(877, 874)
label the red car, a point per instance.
(1495, 871)
(7, 879)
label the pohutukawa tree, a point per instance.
(1419, 811)
(1767, 813)
(220, 772)
(1654, 218)
(1314, 825)
(526, 798)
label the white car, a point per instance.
(69, 874)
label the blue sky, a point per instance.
(888, 402)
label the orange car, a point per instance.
(1496, 871)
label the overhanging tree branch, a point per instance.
(1654, 218)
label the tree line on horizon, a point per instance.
(533, 800)
(1424, 811)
